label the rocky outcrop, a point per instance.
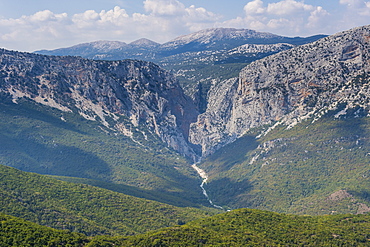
(192, 57)
(103, 91)
(285, 88)
(210, 131)
(288, 87)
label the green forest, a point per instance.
(242, 227)
(85, 209)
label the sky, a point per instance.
(29, 25)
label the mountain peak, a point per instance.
(104, 45)
(144, 43)
(216, 34)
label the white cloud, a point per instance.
(90, 18)
(361, 7)
(254, 7)
(42, 26)
(164, 20)
(316, 18)
(279, 23)
(287, 17)
(164, 7)
(288, 7)
(357, 13)
(352, 3)
(46, 15)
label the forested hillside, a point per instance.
(83, 208)
(317, 167)
(246, 227)
(243, 227)
(18, 232)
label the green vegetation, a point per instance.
(246, 227)
(242, 227)
(313, 168)
(18, 232)
(44, 140)
(132, 191)
(83, 208)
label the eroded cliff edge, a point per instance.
(288, 87)
(104, 91)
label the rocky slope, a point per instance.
(288, 87)
(204, 57)
(140, 92)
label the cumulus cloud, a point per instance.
(42, 26)
(361, 7)
(164, 7)
(254, 7)
(357, 13)
(317, 17)
(163, 20)
(288, 7)
(288, 17)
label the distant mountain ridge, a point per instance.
(208, 39)
(144, 43)
(96, 48)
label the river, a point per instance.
(204, 177)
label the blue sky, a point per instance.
(29, 25)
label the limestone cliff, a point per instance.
(103, 91)
(285, 88)
(288, 87)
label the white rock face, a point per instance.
(256, 48)
(288, 87)
(102, 91)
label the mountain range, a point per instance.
(198, 60)
(204, 41)
(289, 132)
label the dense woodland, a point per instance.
(84, 208)
(242, 227)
